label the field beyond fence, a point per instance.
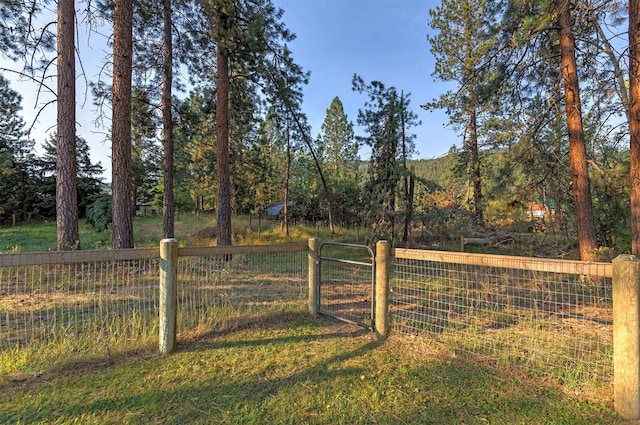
(553, 318)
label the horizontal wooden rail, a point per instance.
(74, 257)
(549, 265)
(231, 249)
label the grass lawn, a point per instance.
(291, 369)
(189, 230)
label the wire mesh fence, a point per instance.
(77, 298)
(218, 291)
(90, 302)
(551, 317)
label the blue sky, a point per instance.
(382, 40)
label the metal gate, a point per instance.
(347, 283)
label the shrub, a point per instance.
(99, 212)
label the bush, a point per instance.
(99, 214)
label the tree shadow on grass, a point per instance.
(315, 372)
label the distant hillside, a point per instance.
(429, 169)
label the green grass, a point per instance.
(291, 369)
(189, 230)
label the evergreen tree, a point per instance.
(464, 46)
(385, 117)
(195, 153)
(18, 196)
(145, 152)
(249, 37)
(267, 161)
(89, 182)
(168, 207)
(337, 146)
(12, 136)
(577, 148)
(338, 152)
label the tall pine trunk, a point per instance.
(577, 149)
(222, 160)
(286, 185)
(122, 227)
(66, 193)
(167, 125)
(474, 164)
(634, 121)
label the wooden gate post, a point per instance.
(381, 326)
(314, 276)
(626, 336)
(168, 294)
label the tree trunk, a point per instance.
(409, 217)
(474, 164)
(222, 160)
(167, 125)
(405, 178)
(66, 191)
(577, 149)
(122, 227)
(286, 184)
(634, 121)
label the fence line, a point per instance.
(97, 302)
(552, 317)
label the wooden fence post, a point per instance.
(168, 294)
(626, 336)
(381, 326)
(314, 276)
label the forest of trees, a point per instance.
(545, 102)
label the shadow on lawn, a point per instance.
(314, 371)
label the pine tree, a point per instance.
(89, 182)
(577, 148)
(386, 117)
(463, 47)
(249, 37)
(145, 152)
(168, 207)
(18, 193)
(195, 153)
(338, 152)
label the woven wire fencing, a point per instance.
(59, 305)
(84, 300)
(218, 291)
(551, 317)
